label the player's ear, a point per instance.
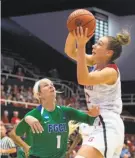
(110, 53)
(38, 95)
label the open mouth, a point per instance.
(52, 90)
(93, 52)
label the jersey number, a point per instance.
(58, 141)
(87, 98)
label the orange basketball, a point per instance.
(81, 17)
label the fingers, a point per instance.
(39, 127)
(74, 33)
(94, 111)
(80, 32)
(86, 32)
(32, 128)
(36, 127)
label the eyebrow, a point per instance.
(101, 42)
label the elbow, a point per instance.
(82, 80)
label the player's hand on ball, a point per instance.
(34, 124)
(94, 111)
(81, 36)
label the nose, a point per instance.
(93, 46)
(51, 86)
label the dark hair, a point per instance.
(116, 43)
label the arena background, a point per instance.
(33, 35)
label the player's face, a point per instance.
(100, 50)
(47, 90)
(2, 130)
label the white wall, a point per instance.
(127, 61)
(51, 28)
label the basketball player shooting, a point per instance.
(102, 86)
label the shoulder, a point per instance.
(113, 66)
(110, 69)
(35, 111)
(67, 109)
(61, 107)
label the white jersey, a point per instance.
(85, 129)
(108, 97)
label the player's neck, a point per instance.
(101, 65)
(49, 105)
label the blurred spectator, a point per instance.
(7, 146)
(125, 152)
(15, 89)
(5, 116)
(3, 96)
(3, 80)
(1, 123)
(15, 117)
(20, 74)
(9, 89)
(54, 73)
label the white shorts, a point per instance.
(107, 135)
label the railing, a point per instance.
(128, 99)
(32, 104)
(67, 90)
(6, 102)
(11, 54)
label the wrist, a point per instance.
(81, 46)
(25, 147)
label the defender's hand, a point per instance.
(94, 111)
(26, 150)
(34, 124)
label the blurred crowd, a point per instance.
(24, 93)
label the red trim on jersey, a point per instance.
(114, 66)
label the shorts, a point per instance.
(107, 135)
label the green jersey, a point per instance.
(52, 142)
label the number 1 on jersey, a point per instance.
(58, 141)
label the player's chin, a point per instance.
(53, 93)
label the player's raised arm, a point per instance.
(31, 119)
(79, 116)
(71, 50)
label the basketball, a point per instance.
(81, 17)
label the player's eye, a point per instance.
(99, 43)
